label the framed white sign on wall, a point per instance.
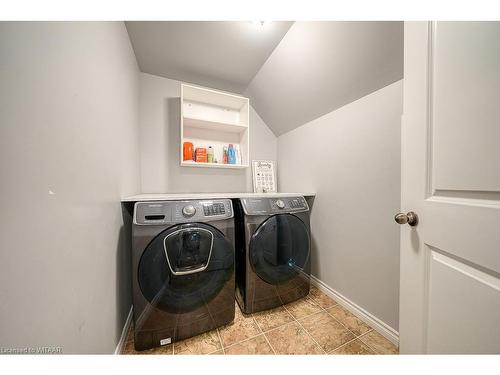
(264, 177)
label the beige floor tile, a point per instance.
(292, 339)
(379, 343)
(353, 347)
(303, 307)
(257, 345)
(243, 327)
(321, 298)
(272, 318)
(205, 343)
(129, 349)
(357, 326)
(327, 332)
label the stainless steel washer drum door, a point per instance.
(185, 266)
(279, 249)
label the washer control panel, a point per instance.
(203, 210)
(157, 213)
(214, 209)
(269, 206)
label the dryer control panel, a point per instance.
(158, 213)
(270, 206)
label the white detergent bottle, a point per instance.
(238, 154)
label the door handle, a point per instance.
(203, 267)
(411, 218)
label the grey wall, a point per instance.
(351, 158)
(68, 152)
(160, 144)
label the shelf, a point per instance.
(213, 97)
(212, 165)
(214, 119)
(197, 123)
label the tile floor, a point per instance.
(313, 325)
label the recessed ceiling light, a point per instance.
(260, 24)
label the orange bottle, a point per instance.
(188, 151)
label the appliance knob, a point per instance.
(188, 211)
(280, 204)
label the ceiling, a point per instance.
(292, 72)
(321, 66)
(218, 54)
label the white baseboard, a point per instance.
(390, 333)
(123, 337)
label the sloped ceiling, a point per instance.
(219, 54)
(321, 66)
(292, 72)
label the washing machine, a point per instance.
(183, 269)
(273, 251)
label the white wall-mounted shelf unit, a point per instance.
(214, 118)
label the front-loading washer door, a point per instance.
(279, 249)
(185, 266)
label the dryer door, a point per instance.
(279, 249)
(185, 266)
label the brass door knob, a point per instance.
(411, 218)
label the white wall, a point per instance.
(160, 143)
(68, 152)
(351, 158)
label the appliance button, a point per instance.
(189, 210)
(280, 204)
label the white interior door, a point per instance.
(450, 261)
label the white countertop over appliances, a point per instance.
(187, 196)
